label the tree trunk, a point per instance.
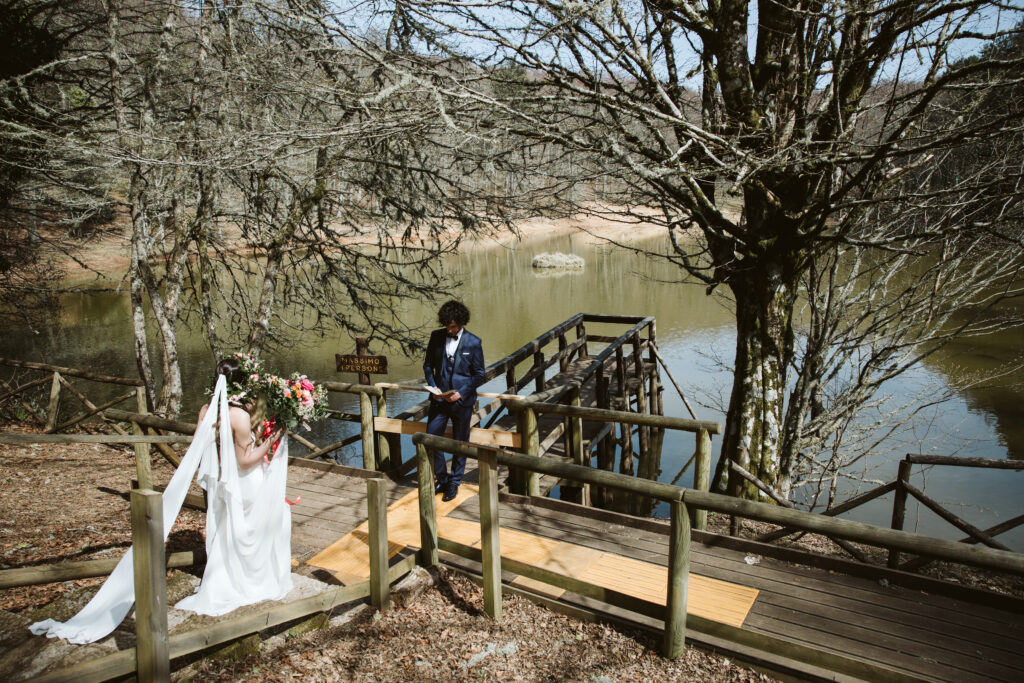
(764, 347)
(139, 314)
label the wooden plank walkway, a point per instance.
(940, 632)
(348, 559)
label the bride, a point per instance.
(248, 521)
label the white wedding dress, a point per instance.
(248, 534)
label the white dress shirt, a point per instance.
(452, 343)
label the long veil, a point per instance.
(248, 532)
(226, 526)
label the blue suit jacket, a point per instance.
(468, 373)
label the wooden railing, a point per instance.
(904, 489)
(380, 451)
(383, 452)
(57, 378)
(683, 504)
(528, 409)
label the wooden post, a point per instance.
(363, 349)
(389, 446)
(702, 475)
(899, 506)
(490, 543)
(51, 411)
(574, 446)
(625, 430)
(143, 465)
(538, 362)
(152, 655)
(581, 333)
(655, 385)
(678, 581)
(366, 426)
(606, 447)
(530, 445)
(377, 516)
(641, 397)
(563, 361)
(626, 448)
(428, 511)
(620, 378)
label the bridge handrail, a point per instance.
(860, 532)
(353, 388)
(536, 344)
(603, 415)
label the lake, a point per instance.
(511, 304)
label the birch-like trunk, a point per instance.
(764, 347)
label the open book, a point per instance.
(437, 392)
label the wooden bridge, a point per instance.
(793, 612)
(596, 399)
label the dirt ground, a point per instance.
(68, 503)
(444, 635)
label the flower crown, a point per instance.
(255, 379)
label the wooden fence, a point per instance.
(528, 409)
(903, 490)
(684, 503)
(559, 347)
(57, 377)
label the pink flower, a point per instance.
(307, 385)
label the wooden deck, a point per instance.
(902, 624)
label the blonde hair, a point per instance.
(257, 409)
(257, 413)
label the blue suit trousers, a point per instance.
(437, 421)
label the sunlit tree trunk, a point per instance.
(764, 347)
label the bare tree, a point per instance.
(37, 223)
(791, 149)
(285, 170)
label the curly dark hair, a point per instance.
(453, 310)
(232, 369)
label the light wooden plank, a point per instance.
(722, 601)
(348, 557)
(484, 437)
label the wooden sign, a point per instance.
(369, 365)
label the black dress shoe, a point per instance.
(440, 487)
(450, 492)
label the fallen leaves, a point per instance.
(445, 636)
(61, 503)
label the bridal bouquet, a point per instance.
(295, 401)
(290, 401)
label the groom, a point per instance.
(455, 365)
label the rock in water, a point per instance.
(558, 260)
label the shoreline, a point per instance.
(106, 259)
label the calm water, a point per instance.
(512, 304)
